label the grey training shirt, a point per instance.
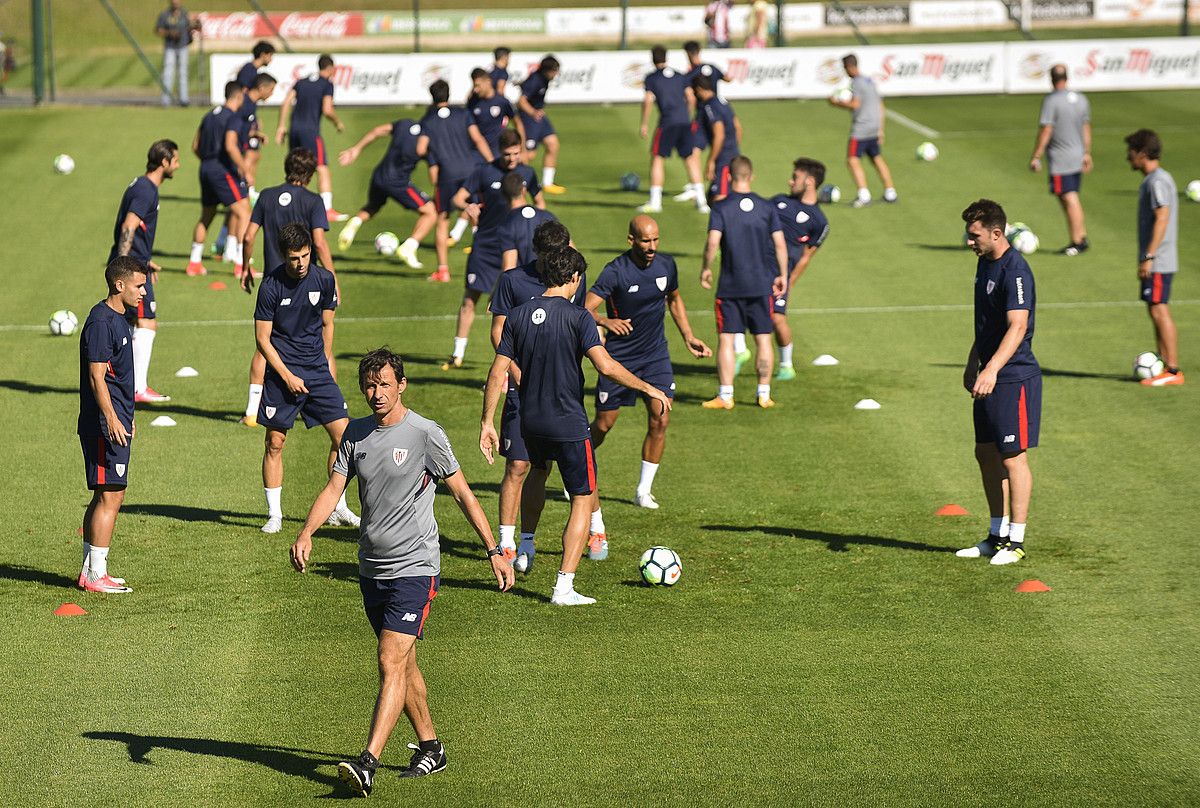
(866, 121)
(1067, 111)
(1158, 190)
(398, 468)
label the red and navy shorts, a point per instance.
(1011, 416)
(720, 183)
(674, 137)
(1157, 288)
(699, 136)
(399, 604)
(863, 147)
(311, 141)
(218, 186)
(147, 307)
(1065, 183)
(575, 458)
(322, 404)
(736, 315)
(105, 463)
(443, 194)
(409, 196)
(659, 375)
(512, 442)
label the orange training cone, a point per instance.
(69, 610)
(217, 286)
(952, 510)
(1032, 585)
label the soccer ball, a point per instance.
(829, 194)
(63, 164)
(660, 566)
(1012, 228)
(63, 323)
(1147, 365)
(927, 152)
(843, 94)
(1025, 242)
(1193, 190)
(386, 243)
(630, 182)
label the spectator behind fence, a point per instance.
(175, 26)
(757, 24)
(716, 19)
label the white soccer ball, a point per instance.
(386, 243)
(1026, 242)
(927, 152)
(63, 323)
(660, 566)
(1193, 190)
(1012, 228)
(829, 194)
(1147, 365)
(843, 95)
(64, 164)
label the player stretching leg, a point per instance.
(746, 229)
(293, 325)
(804, 229)
(537, 126)
(222, 178)
(106, 427)
(313, 99)
(397, 456)
(673, 95)
(548, 337)
(866, 133)
(1005, 380)
(133, 235)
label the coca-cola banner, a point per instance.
(296, 25)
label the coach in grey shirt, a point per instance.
(398, 457)
(866, 132)
(1065, 137)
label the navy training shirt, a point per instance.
(296, 307)
(396, 167)
(803, 225)
(516, 232)
(492, 116)
(141, 199)
(718, 109)
(710, 70)
(247, 115)
(106, 337)
(497, 74)
(522, 283)
(484, 187)
(669, 89)
(450, 142)
(548, 337)
(278, 207)
(748, 265)
(213, 127)
(534, 88)
(1001, 286)
(310, 100)
(247, 74)
(639, 295)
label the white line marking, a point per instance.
(904, 120)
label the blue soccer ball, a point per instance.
(630, 182)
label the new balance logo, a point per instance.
(1010, 438)
(287, 301)
(409, 617)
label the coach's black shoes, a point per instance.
(428, 758)
(985, 549)
(359, 774)
(1076, 248)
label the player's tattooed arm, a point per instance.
(128, 230)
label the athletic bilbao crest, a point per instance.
(314, 297)
(270, 411)
(399, 455)
(991, 286)
(662, 283)
(603, 396)
(120, 467)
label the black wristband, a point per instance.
(495, 551)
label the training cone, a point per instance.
(1032, 585)
(868, 404)
(217, 286)
(952, 510)
(69, 610)
(163, 420)
(187, 372)
(825, 360)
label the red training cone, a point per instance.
(69, 610)
(1032, 585)
(217, 286)
(952, 510)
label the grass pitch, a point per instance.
(824, 646)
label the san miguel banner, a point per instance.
(296, 25)
(1158, 63)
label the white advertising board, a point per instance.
(1153, 63)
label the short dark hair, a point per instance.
(479, 73)
(691, 47)
(550, 237)
(548, 63)
(262, 80)
(232, 90)
(849, 60)
(160, 150)
(121, 268)
(741, 168)
(500, 53)
(509, 138)
(299, 165)
(513, 185)
(263, 47)
(294, 237)
(557, 268)
(811, 167)
(439, 91)
(703, 82)
(324, 61)
(374, 362)
(987, 213)
(1145, 141)
(658, 55)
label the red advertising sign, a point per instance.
(296, 25)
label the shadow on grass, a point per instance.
(1061, 374)
(959, 247)
(32, 575)
(188, 513)
(835, 542)
(348, 571)
(304, 763)
(22, 386)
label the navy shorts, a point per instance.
(512, 442)
(721, 182)
(104, 463)
(1066, 183)
(147, 307)
(736, 315)
(674, 137)
(613, 396)
(483, 267)
(1011, 416)
(699, 136)
(866, 147)
(399, 604)
(781, 303)
(253, 144)
(219, 187)
(311, 141)
(536, 131)
(322, 404)
(408, 196)
(576, 461)
(443, 195)
(1157, 288)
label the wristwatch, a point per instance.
(1147, 257)
(495, 551)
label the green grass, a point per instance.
(824, 646)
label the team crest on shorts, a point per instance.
(991, 286)
(270, 411)
(314, 297)
(399, 456)
(120, 467)
(662, 283)
(603, 396)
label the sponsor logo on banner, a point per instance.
(865, 14)
(297, 25)
(1143, 11)
(936, 66)
(1052, 10)
(529, 21)
(1115, 64)
(957, 13)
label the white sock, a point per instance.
(87, 549)
(253, 400)
(701, 197)
(764, 391)
(253, 191)
(739, 343)
(547, 175)
(1004, 527)
(597, 522)
(143, 345)
(785, 355)
(508, 536)
(565, 582)
(864, 194)
(410, 245)
(223, 238)
(327, 198)
(97, 563)
(656, 195)
(889, 193)
(725, 391)
(342, 506)
(197, 252)
(274, 501)
(1016, 532)
(647, 478)
(460, 347)
(459, 228)
(999, 526)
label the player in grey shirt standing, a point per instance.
(1158, 254)
(866, 132)
(398, 457)
(1065, 137)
